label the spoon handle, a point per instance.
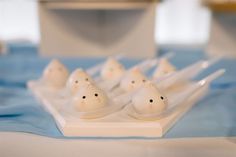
(186, 73)
(211, 61)
(211, 77)
(195, 69)
(196, 86)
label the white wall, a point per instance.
(182, 22)
(178, 21)
(18, 19)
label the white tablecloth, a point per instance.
(24, 145)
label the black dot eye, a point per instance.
(150, 100)
(162, 97)
(86, 79)
(144, 80)
(76, 81)
(95, 94)
(133, 82)
(84, 97)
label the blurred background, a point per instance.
(177, 21)
(166, 23)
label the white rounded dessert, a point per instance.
(133, 80)
(77, 79)
(164, 67)
(112, 70)
(148, 100)
(55, 74)
(90, 98)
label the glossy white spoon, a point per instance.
(149, 63)
(96, 68)
(176, 101)
(184, 74)
(142, 66)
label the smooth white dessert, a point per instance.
(133, 80)
(112, 70)
(55, 74)
(164, 67)
(149, 100)
(90, 98)
(77, 80)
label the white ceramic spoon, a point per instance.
(95, 69)
(175, 102)
(142, 66)
(54, 76)
(89, 103)
(184, 74)
(108, 85)
(149, 63)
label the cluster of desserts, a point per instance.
(115, 87)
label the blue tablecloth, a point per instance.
(213, 116)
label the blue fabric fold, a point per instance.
(20, 112)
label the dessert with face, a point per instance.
(133, 80)
(112, 70)
(90, 98)
(55, 74)
(77, 80)
(163, 68)
(148, 100)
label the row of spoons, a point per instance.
(87, 95)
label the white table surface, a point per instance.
(23, 145)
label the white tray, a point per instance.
(115, 125)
